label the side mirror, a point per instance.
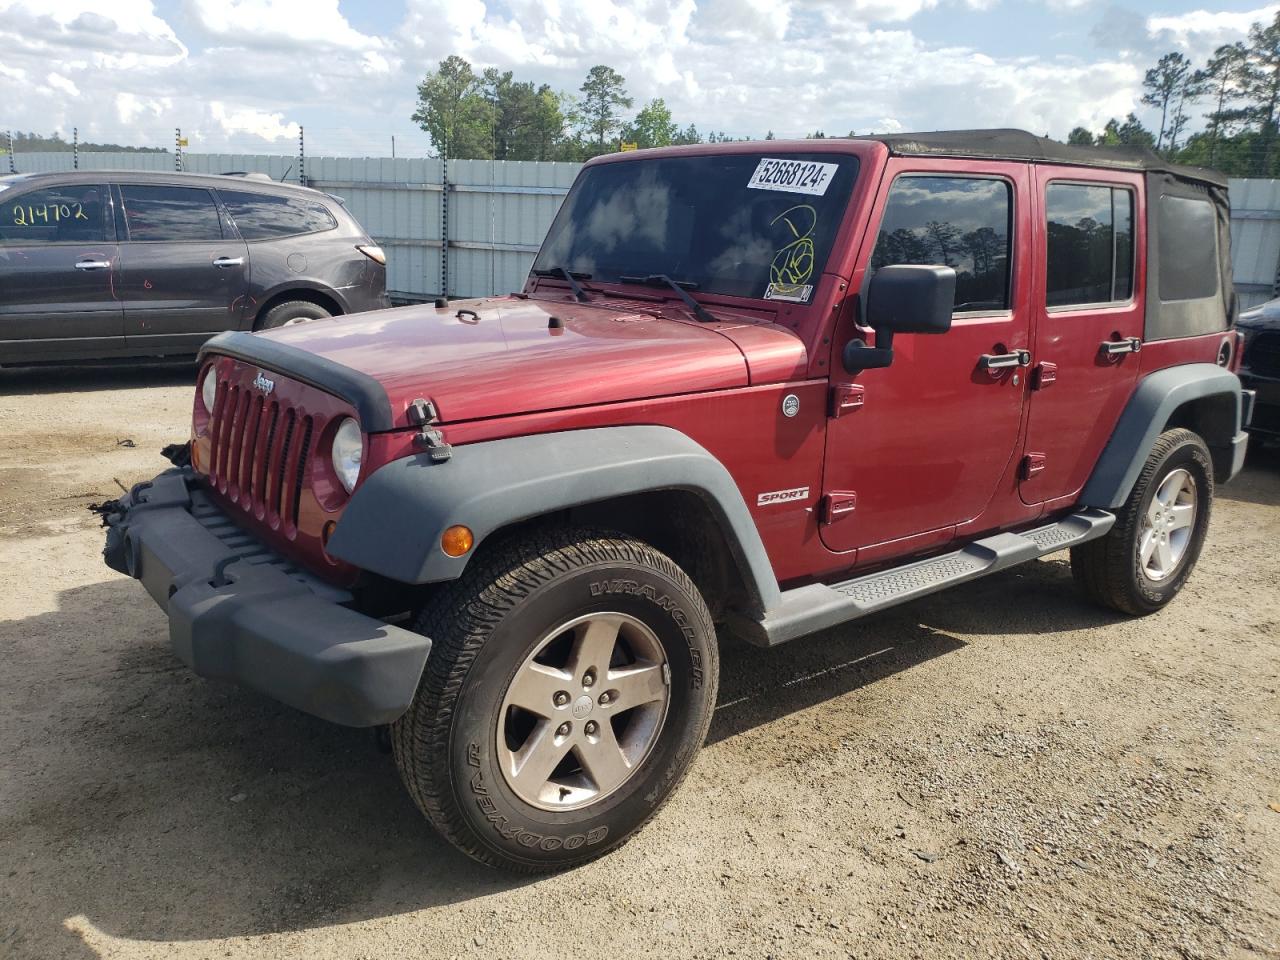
(904, 298)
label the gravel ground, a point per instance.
(1001, 770)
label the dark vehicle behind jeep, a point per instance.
(1260, 365)
(97, 265)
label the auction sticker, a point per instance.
(792, 176)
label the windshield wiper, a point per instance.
(679, 286)
(573, 279)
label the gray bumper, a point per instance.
(239, 612)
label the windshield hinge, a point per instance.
(422, 414)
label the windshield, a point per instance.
(742, 225)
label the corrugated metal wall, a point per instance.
(497, 213)
(1255, 239)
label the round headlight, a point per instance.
(348, 445)
(209, 389)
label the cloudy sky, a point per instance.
(242, 74)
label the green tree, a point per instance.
(1162, 83)
(598, 113)
(688, 135)
(652, 127)
(1080, 137)
(452, 108)
(1262, 87)
(1224, 73)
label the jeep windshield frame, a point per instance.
(758, 225)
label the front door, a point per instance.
(937, 429)
(1088, 327)
(184, 271)
(57, 257)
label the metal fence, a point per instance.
(470, 228)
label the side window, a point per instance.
(1188, 249)
(170, 213)
(1090, 256)
(260, 216)
(69, 214)
(960, 222)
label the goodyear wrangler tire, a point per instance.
(1146, 558)
(571, 682)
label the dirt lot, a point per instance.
(1001, 770)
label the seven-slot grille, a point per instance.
(259, 447)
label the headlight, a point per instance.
(209, 389)
(348, 445)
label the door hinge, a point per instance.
(1032, 464)
(422, 414)
(837, 504)
(846, 398)
(1044, 375)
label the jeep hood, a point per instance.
(506, 356)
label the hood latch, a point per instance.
(422, 414)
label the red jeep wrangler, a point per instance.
(770, 387)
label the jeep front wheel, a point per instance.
(1146, 558)
(571, 681)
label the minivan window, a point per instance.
(67, 214)
(1090, 255)
(260, 216)
(170, 213)
(959, 222)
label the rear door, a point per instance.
(935, 432)
(184, 269)
(57, 257)
(1089, 324)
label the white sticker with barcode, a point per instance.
(792, 176)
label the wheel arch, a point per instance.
(1201, 397)
(652, 482)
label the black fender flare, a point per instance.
(1152, 403)
(393, 524)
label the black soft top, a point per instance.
(1021, 145)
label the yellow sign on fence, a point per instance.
(182, 142)
(626, 146)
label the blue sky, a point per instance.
(242, 74)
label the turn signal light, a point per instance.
(373, 253)
(457, 540)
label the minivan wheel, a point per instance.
(289, 312)
(1146, 558)
(571, 682)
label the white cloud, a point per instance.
(245, 73)
(292, 23)
(268, 126)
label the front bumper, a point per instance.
(239, 612)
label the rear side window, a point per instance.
(1188, 249)
(959, 222)
(260, 216)
(170, 213)
(1090, 236)
(69, 214)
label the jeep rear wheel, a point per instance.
(571, 682)
(1146, 558)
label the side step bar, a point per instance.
(815, 607)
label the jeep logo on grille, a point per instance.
(263, 384)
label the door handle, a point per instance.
(1001, 361)
(93, 264)
(226, 262)
(1111, 348)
